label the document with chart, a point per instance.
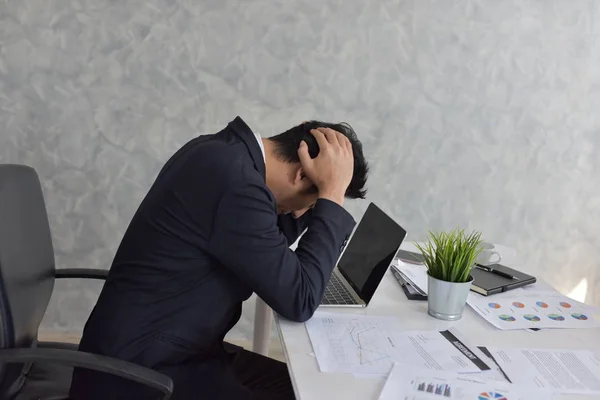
(406, 383)
(534, 309)
(370, 345)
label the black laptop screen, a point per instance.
(370, 251)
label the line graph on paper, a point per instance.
(364, 344)
(367, 352)
(355, 346)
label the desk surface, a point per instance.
(389, 300)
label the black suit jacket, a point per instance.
(205, 237)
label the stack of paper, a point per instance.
(406, 383)
(530, 308)
(443, 364)
(556, 371)
(416, 274)
(534, 374)
(370, 345)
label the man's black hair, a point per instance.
(288, 142)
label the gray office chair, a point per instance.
(30, 369)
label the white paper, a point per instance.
(417, 273)
(406, 383)
(558, 371)
(534, 309)
(370, 345)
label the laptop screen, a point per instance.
(371, 250)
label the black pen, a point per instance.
(403, 280)
(400, 280)
(496, 272)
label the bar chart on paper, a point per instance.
(408, 383)
(440, 389)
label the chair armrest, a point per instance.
(88, 273)
(123, 369)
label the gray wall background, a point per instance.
(480, 114)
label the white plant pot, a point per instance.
(446, 300)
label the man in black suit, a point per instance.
(215, 227)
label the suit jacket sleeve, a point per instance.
(246, 239)
(292, 227)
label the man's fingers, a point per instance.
(321, 140)
(348, 144)
(342, 139)
(303, 154)
(331, 135)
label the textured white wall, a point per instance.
(482, 114)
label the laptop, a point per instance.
(365, 261)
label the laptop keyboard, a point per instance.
(336, 292)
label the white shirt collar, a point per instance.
(260, 143)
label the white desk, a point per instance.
(263, 316)
(309, 383)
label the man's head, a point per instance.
(293, 190)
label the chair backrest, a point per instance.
(26, 264)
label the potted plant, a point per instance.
(449, 258)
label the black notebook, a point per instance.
(487, 283)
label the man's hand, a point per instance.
(331, 171)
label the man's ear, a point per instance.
(299, 175)
(301, 179)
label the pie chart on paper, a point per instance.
(532, 318)
(492, 395)
(556, 317)
(580, 317)
(507, 318)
